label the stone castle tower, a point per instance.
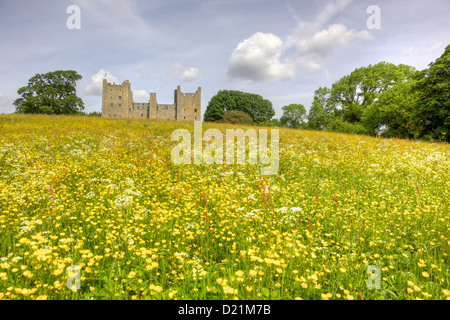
(117, 102)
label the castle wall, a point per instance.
(116, 99)
(139, 110)
(165, 111)
(117, 102)
(188, 105)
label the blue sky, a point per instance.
(283, 50)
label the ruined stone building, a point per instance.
(117, 102)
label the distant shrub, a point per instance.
(94, 114)
(238, 117)
(270, 123)
(339, 125)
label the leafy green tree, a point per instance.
(355, 92)
(254, 105)
(294, 115)
(50, 93)
(431, 115)
(236, 116)
(323, 109)
(391, 113)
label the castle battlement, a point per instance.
(117, 102)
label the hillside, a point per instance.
(105, 196)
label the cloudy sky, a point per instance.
(281, 49)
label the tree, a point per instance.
(258, 108)
(431, 115)
(236, 116)
(294, 115)
(391, 112)
(355, 92)
(323, 109)
(50, 93)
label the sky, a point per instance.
(282, 50)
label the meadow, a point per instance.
(104, 195)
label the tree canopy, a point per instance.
(50, 93)
(258, 108)
(294, 115)
(431, 112)
(358, 90)
(323, 109)
(392, 112)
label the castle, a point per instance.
(117, 102)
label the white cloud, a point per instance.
(116, 19)
(323, 42)
(413, 51)
(190, 75)
(312, 50)
(96, 85)
(184, 74)
(436, 47)
(143, 71)
(140, 95)
(176, 69)
(258, 59)
(330, 10)
(6, 105)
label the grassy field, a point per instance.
(105, 196)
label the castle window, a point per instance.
(129, 109)
(142, 115)
(120, 116)
(112, 104)
(120, 97)
(184, 118)
(109, 115)
(120, 105)
(195, 110)
(195, 118)
(114, 116)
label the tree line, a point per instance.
(382, 99)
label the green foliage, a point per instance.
(392, 111)
(375, 99)
(271, 123)
(94, 114)
(339, 125)
(355, 92)
(254, 105)
(236, 116)
(323, 109)
(431, 116)
(50, 93)
(294, 115)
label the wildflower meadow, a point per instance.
(93, 208)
